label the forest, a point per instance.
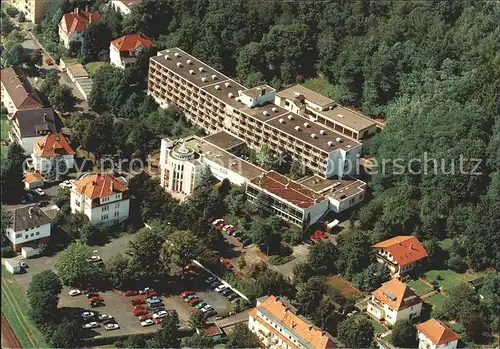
(430, 69)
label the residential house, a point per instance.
(73, 25)
(17, 92)
(394, 301)
(277, 325)
(29, 126)
(401, 254)
(124, 51)
(124, 6)
(52, 147)
(30, 227)
(434, 334)
(101, 197)
(33, 180)
(34, 10)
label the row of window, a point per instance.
(106, 207)
(26, 236)
(105, 217)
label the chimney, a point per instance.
(294, 324)
(411, 246)
(44, 117)
(310, 327)
(77, 10)
(323, 334)
(90, 18)
(86, 8)
(262, 91)
(276, 299)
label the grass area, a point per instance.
(3, 151)
(446, 244)
(317, 84)
(15, 306)
(420, 287)
(449, 278)
(436, 300)
(5, 127)
(92, 67)
(345, 287)
(377, 326)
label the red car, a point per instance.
(151, 294)
(159, 321)
(221, 225)
(140, 312)
(138, 301)
(194, 301)
(230, 230)
(96, 299)
(138, 307)
(131, 293)
(145, 317)
(186, 293)
(227, 263)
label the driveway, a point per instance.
(300, 252)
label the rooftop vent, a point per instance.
(265, 113)
(296, 94)
(214, 77)
(217, 87)
(237, 99)
(204, 79)
(348, 147)
(323, 132)
(290, 117)
(330, 143)
(233, 163)
(282, 121)
(338, 139)
(191, 71)
(340, 116)
(189, 62)
(179, 64)
(177, 54)
(274, 109)
(230, 95)
(313, 135)
(306, 124)
(227, 84)
(201, 69)
(167, 51)
(297, 128)
(167, 57)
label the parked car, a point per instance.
(237, 233)
(226, 227)
(232, 296)
(74, 292)
(210, 313)
(160, 314)
(87, 314)
(43, 204)
(92, 294)
(194, 301)
(138, 301)
(186, 293)
(104, 317)
(130, 293)
(246, 242)
(151, 294)
(226, 292)
(145, 290)
(227, 263)
(230, 231)
(96, 299)
(217, 221)
(189, 297)
(207, 308)
(147, 322)
(200, 305)
(65, 184)
(111, 327)
(220, 288)
(92, 324)
(137, 307)
(215, 284)
(39, 191)
(23, 264)
(210, 279)
(145, 317)
(97, 304)
(140, 312)
(94, 259)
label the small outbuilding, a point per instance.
(33, 180)
(12, 266)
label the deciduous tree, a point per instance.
(356, 332)
(404, 335)
(72, 265)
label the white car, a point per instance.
(147, 322)
(65, 184)
(217, 221)
(87, 314)
(206, 308)
(23, 264)
(145, 290)
(103, 317)
(220, 288)
(111, 327)
(92, 324)
(94, 259)
(75, 292)
(226, 227)
(39, 192)
(160, 314)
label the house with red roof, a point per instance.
(124, 51)
(394, 301)
(50, 148)
(103, 198)
(73, 25)
(434, 334)
(401, 254)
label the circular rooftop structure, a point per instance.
(182, 152)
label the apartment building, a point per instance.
(277, 325)
(34, 10)
(124, 51)
(401, 254)
(73, 25)
(17, 92)
(434, 334)
(124, 6)
(394, 301)
(30, 227)
(101, 197)
(325, 112)
(215, 102)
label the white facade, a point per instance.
(110, 209)
(7, 101)
(23, 236)
(67, 39)
(383, 311)
(120, 7)
(43, 164)
(425, 343)
(385, 257)
(117, 60)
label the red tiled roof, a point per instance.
(396, 294)
(79, 21)
(99, 185)
(437, 332)
(31, 177)
(287, 189)
(51, 145)
(131, 42)
(404, 249)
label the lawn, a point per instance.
(419, 287)
(377, 326)
(92, 67)
(3, 151)
(449, 278)
(318, 84)
(436, 300)
(5, 127)
(16, 308)
(446, 244)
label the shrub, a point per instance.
(8, 252)
(439, 277)
(11, 11)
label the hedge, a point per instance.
(96, 341)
